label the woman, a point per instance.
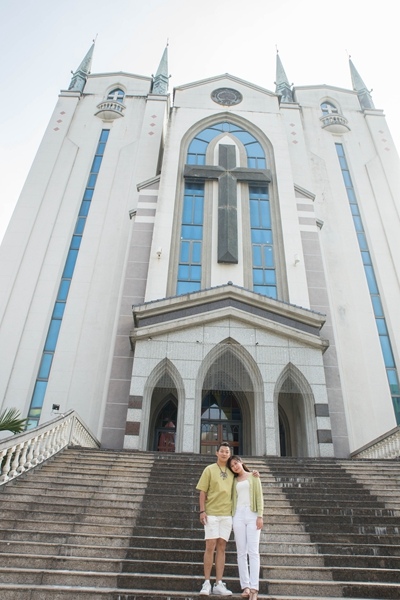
(247, 511)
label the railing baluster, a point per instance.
(22, 463)
(29, 457)
(6, 467)
(25, 450)
(15, 462)
(386, 447)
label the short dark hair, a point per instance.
(225, 445)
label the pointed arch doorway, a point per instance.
(228, 407)
(221, 421)
(165, 426)
(296, 415)
(284, 434)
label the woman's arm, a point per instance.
(259, 496)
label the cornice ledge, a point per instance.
(167, 327)
(70, 94)
(224, 77)
(374, 111)
(304, 192)
(147, 182)
(164, 306)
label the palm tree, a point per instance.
(10, 420)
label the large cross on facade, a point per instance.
(227, 174)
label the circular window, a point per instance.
(226, 96)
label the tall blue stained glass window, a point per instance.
(49, 349)
(264, 274)
(190, 269)
(384, 338)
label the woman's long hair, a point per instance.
(238, 459)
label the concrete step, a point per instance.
(350, 527)
(351, 574)
(332, 511)
(324, 533)
(25, 592)
(12, 592)
(70, 505)
(359, 548)
(122, 581)
(51, 525)
(317, 589)
(109, 566)
(11, 547)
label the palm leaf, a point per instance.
(10, 420)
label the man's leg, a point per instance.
(220, 559)
(209, 558)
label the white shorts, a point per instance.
(217, 527)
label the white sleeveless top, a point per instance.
(243, 493)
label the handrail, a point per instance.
(22, 452)
(387, 446)
(111, 105)
(334, 119)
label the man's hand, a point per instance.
(203, 517)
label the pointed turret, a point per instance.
(80, 76)
(283, 88)
(160, 80)
(359, 86)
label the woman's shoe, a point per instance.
(246, 593)
(253, 595)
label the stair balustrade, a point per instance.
(386, 446)
(22, 452)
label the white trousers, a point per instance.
(247, 538)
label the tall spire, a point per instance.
(160, 80)
(359, 86)
(80, 76)
(283, 88)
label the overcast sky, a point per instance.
(42, 41)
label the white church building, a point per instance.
(220, 263)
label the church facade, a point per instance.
(219, 264)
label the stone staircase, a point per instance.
(94, 524)
(353, 545)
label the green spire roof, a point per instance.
(359, 86)
(283, 88)
(160, 81)
(81, 74)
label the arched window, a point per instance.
(117, 95)
(228, 174)
(327, 108)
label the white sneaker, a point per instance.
(219, 589)
(206, 589)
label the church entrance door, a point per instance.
(164, 439)
(221, 421)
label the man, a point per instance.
(215, 486)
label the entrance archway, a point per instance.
(296, 416)
(221, 421)
(284, 434)
(165, 426)
(161, 399)
(229, 382)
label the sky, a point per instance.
(42, 41)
